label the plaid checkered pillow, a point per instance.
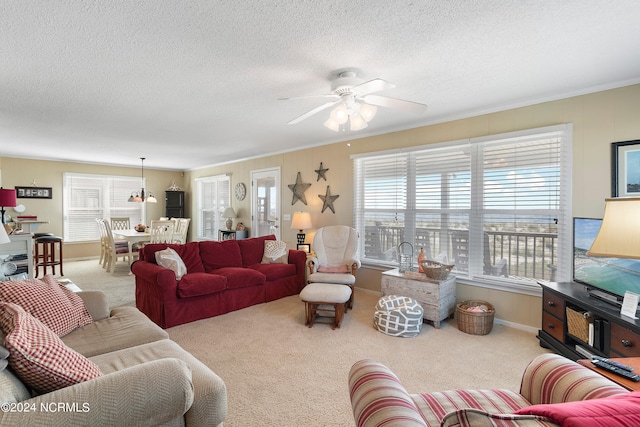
(60, 309)
(38, 356)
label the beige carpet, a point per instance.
(280, 373)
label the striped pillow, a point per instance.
(38, 356)
(60, 309)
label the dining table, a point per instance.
(132, 236)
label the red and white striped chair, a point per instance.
(379, 399)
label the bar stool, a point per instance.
(45, 254)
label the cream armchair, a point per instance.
(335, 260)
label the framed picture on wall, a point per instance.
(33, 192)
(304, 247)
(625, 168)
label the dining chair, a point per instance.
(120, 223)
(116, 249)
(182, 227)
(162, 231)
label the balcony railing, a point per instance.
(509, 254)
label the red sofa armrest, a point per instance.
(299, 258)
(157, 282)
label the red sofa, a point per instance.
(221, 277)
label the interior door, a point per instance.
(265, 202)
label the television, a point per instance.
(605, 278)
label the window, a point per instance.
(88, 197)
(497, 207)
(213, 197)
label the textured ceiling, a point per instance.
(188, 84)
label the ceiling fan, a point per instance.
(355, 103)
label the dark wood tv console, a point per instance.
(614, 335)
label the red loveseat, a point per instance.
(221, 277)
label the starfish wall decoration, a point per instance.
(298, 190)
(327, 200)
(322, 173)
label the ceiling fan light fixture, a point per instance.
(357, 122)
(332, 124)
(368, 111)
(340, 114)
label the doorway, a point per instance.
(265, 202)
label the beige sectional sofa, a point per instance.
(147, 379)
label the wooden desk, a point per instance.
(634, 362)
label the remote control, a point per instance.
(611, 368)
(611, 362)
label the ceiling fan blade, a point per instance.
(400, 104)
(312, 112)
(375, 85)
(325, 95)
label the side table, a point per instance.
(437, 298)
(634, 362)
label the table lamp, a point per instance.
(229, 213)
(619, 235)
(301, 221)
(7, 199)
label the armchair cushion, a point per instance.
(38, 355)
(63, 311)
(333, 269)
(616, 411)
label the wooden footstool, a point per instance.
(325, 298)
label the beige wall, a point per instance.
(23, 172)
(598, 119)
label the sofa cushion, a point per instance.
(252, 249)
(275, 271)
(126, 327)
(11, 388)
(238, 277)
(477, 418)
(169, 258)
(38, 355)
(188, 252)
(220, 254)
(434, 406)
(616, 411)
(196, 284)
(60, 309)
(275, 252)
(209, 407)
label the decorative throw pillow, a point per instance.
(168, 258)
(38, 356)
(60, 309)
(275, 252)
(616, 411)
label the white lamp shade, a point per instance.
(619, 235)
(357, 122)
(340, 114)
(229, 213)
(368, 111)
(301, 221)
(332, 124)
(151, 199)
(4, 237)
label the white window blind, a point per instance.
(213, 197)
(87, 197)
(497, 207)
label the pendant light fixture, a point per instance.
(139, 197)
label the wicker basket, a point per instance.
(474, 323)
(578, 324)
(435, 270)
